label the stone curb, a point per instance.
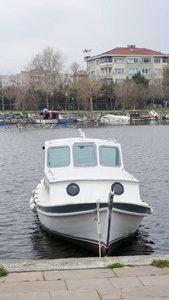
(77, 263)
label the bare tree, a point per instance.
(121, 94)
(32, 99)
(85, 89)
(143, 95)
(75, 67)
(49, 64)
(165, 85)
(130, 95)
(21, 88)
(82, 91)
(20, 100)
(10, 93)
(95, 88)
(155, 92)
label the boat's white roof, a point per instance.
(71, 141)
(88, 173)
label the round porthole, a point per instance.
(117, 188)
(73, 189)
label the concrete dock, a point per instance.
(85, 278)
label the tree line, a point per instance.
(46, 88)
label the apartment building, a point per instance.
(25, 78)
(6, 81)
(121, 63)
(37, 79)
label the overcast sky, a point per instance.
(28, 26)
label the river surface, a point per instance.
(145, 150)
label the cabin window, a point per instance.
(109, 156)
(58, 157)
(84, 154)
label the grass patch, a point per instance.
(118, 265)
(131, 266)
(3, 272)
(160, 263)
(115, 266)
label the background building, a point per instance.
(6, 81)
(121, 63)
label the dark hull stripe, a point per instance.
(70, 208)
(131, 208)
(75, 208)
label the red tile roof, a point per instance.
(132, 51)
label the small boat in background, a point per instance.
(134, 115)
(144, 116)
(50, 117)
(114, 119)
(153, 114)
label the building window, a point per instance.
(165, 60)
(146, 71)
(109, 80)
(132, 60)
(98, 72)
(109, 70)
(118, 81)
(146, 60)
(132, 71)
(119, 71)
(97, 62)
(109, 59)
(157, 71)
(106, 59)
(157, 81)
(157, 60)
(104, 71)
(119, 60)
(92, 63)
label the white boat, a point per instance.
(153, 114)
(114, 119)
(83, 177)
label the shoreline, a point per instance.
(78, 263)
(71, 117)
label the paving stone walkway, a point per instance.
(139, 282)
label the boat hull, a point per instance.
(77, 224)
(44, 122)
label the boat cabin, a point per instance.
(83, 154)
(50, 114)
(134, 114)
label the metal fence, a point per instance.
(100, 106)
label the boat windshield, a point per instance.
(109, 156)
(84, 154)
(58, 157)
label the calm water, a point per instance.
(145, 153)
